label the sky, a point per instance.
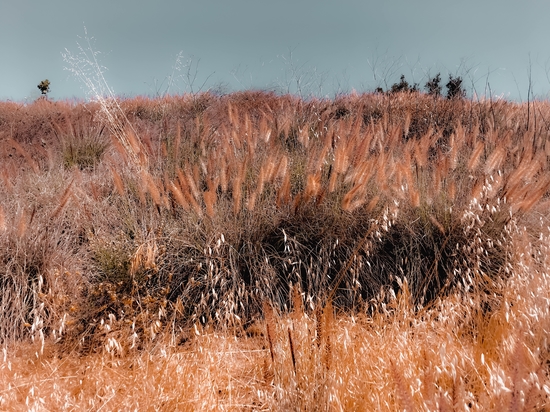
(306, 47)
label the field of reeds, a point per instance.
(255, 251)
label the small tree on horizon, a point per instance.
(44, 87)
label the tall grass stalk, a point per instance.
(86, 67)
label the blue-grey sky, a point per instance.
(307, 46)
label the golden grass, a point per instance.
(260, 252)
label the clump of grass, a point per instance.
(82, 148)
(84, 153)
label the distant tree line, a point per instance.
(433, 87)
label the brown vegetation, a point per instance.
(254, 251)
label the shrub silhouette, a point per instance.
(454, 88)
(433, 85)
(403, 86)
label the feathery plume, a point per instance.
(117, 181)
(474, 158)
(151, 186)
(209, 201)
(178, 195)
(2, 219)
(64, 199)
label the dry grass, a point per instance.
(447, 358)
(262, 252)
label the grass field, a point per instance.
(255, 251)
